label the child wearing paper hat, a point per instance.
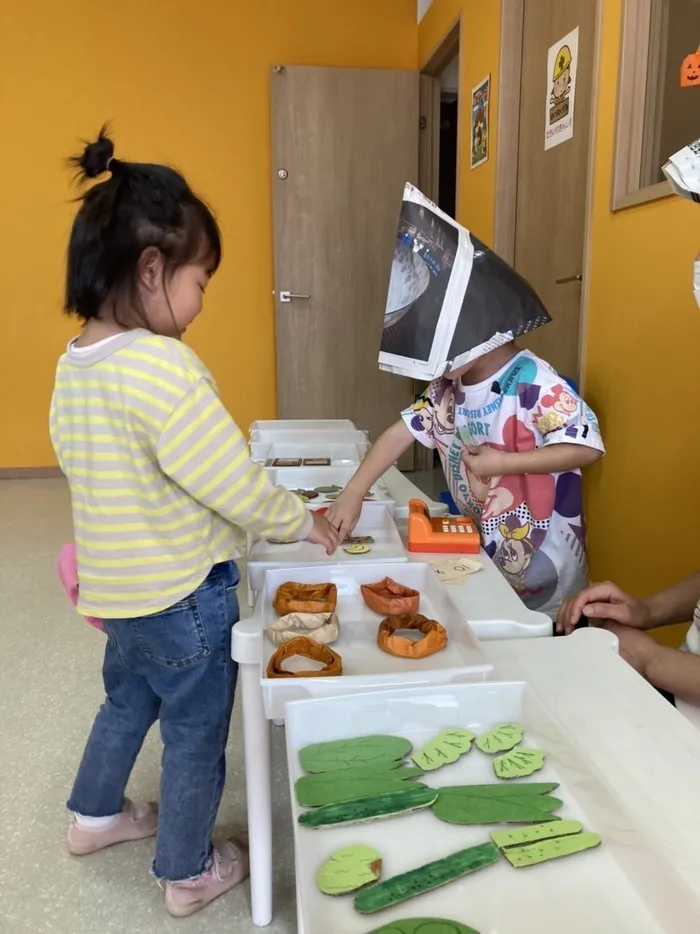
(511, 434)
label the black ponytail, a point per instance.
(137, 207)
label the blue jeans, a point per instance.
(175, 667)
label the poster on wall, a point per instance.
(562, 65)
(480, 122)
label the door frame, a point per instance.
(507, 138)
(429, 147)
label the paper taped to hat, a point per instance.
(451, 299)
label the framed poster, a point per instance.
(562, 64)
(479, 123)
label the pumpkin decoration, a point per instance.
(690, 70)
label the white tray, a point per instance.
(376, 520)
(309, 435)
(303, 424)
(340, 455)
(365, 666)
(623, 887)
(308, 478)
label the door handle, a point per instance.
(292, 296)
(567, 279)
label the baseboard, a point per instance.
(30, 473)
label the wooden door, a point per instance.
(552, 184)
(344, 143)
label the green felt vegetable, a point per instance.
(349, 869)
(472, 804)
(334, 488)
(553, 828)
(424, 926)
(412, 798)
(518, 763)
(497, 790)
(356, 773)
(447, 747)
(425, 878)
(501, 738)
(520, 856)
(348, 753)
(312, 794)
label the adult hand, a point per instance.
(344, 513)
(323, 533)
(637, 648)
(483, 461)
(603, 603)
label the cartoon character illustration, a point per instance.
(561, 400)
(423, 418)
(561, 85)
(690, 70)
(514, 554)
(548, 421)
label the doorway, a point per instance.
(541, 226)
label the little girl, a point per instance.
(162, 490)
(512, 439)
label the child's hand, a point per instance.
(604, 603)
(344, 513)
(324, 534)
(637, 648)
(483, 461)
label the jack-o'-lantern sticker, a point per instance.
(690, 70)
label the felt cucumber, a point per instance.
(360, 810)
(444, 749)
(349, 869)
(519, 763)
(425, 878)
(424, 926)
(501, 738)
(348, 753)
(536, 833)
(520, 856)
(313, 794)
(479, 804)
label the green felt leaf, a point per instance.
(425, 878)
(349, 869)
(315, 794)
(424, 926)
(501, 738)
(388, 768)
(519, 763)
(348, 753)
(521, 856)
(444, 749)
(497, 790)
(469, 805)
(535, 833)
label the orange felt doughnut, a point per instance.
(434, 636)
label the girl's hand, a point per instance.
(483, 461)
(637, 648)
(323, 533)
(344, 513)
(603, 603)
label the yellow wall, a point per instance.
(479, 56)
(185, 83)
(643, 348)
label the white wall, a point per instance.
(423, 8)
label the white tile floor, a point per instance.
(50, 688)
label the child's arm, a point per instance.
(668, 669)
(484, 461)
(344, 513)
(202, 449)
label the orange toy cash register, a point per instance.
(447, 534)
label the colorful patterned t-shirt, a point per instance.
(531, 524)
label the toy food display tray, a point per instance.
(309, 436)
(624, 886)
(308, 478)
(376, 521)
(339, 455)
(365, 665)
(303, 424)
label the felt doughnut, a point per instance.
(389, 598)
(305, 598)
(323, 628)
(305, 647)
(434, 636)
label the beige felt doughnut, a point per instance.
(323, 628)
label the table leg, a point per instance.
(256, 738)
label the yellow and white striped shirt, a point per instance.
(161, 482)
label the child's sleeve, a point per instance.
(558, 415)
(418, 417)
(202, 449)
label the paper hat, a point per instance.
(683, 171)
(451, 299)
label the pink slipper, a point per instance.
(135, 822)
(229, 867)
